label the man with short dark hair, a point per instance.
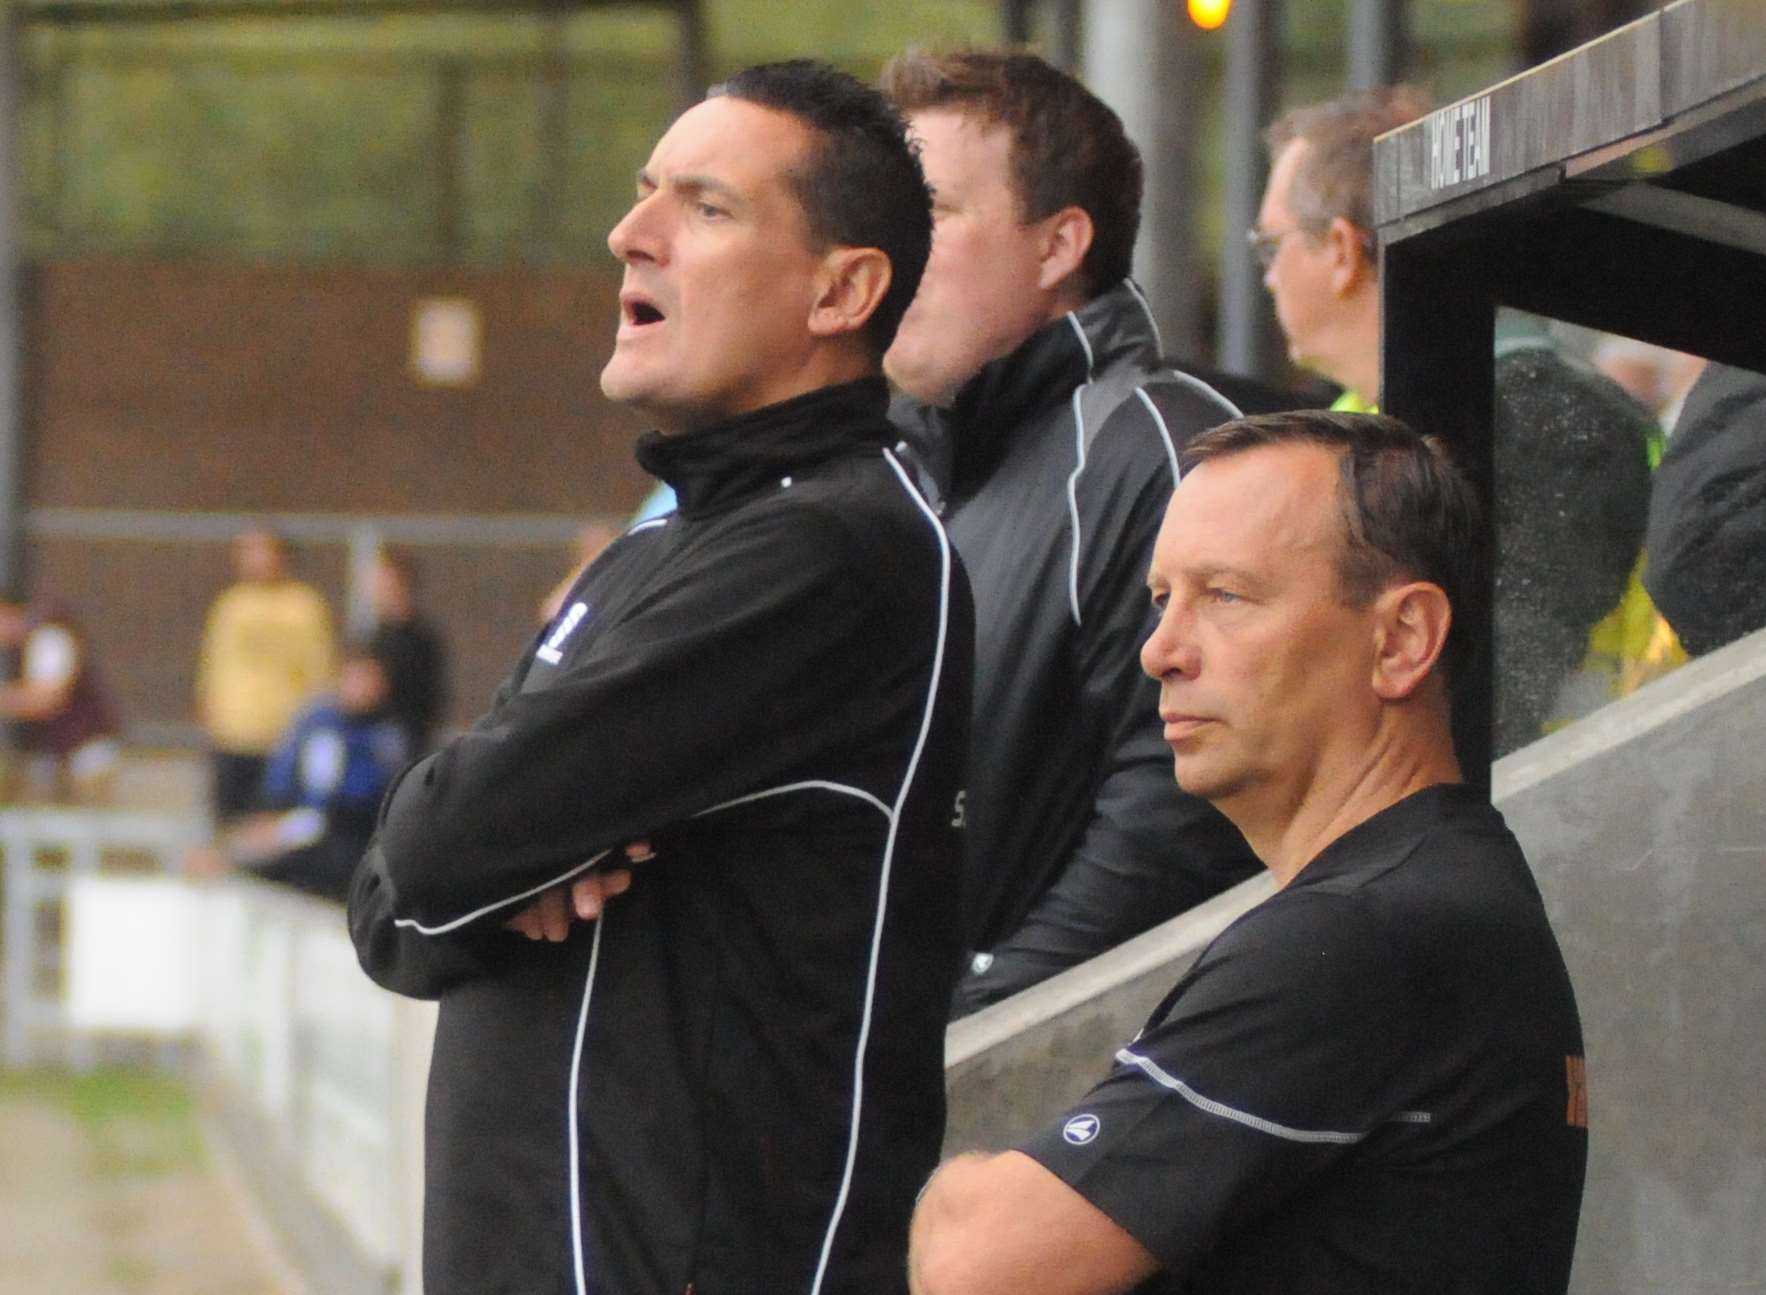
(720, 1070)
(1049, 428)
(1571, 465)
(1373, 1081)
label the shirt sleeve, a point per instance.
(1283, 1049)
(733, 674)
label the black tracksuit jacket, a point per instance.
(1052, 470)
(733, 1083)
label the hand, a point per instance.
(549, 917)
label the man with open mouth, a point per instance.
(718, 1068)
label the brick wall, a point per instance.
(183, 387)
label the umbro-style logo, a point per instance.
(552, 650)
(1081, 1129)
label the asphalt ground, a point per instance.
(107, 1188)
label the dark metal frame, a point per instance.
(1622, 187)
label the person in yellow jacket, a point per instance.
(268, 645)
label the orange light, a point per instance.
(1209, 14)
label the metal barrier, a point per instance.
(312, 1077)
(44, 851)
(316, 1079)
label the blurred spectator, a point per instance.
(590, 540)
(1571, 483)
(322, 787)
(1707, 523)
(66, 725)
(1632, 644)
(267, 646)
(1654, 376)
(410, 648)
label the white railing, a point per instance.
(45, 851)
(324, 1074)
(314, 1077)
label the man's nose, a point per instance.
(1170, 648)
(635, 236)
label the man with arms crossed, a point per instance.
(731, 1080)
(1051, 428)
(1373, 1081)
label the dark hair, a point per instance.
(1068, 147)
(1336, 175)
(1409, 510)
(861, 183)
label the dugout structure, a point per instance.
(1621, 187)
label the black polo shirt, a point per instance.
(1373, 1081)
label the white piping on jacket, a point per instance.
(1147, 310)
(813, 784)
(1164, 431)
(412, 923)
(907, 782)
(1079, 465)
(576, 1061)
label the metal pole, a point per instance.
(693, 63)
(1247, 339)
(1376, 42)
(1140, 60)
(1065, 45)
(450, 142)
(552, 95)
(12, 327)
(1015, 22)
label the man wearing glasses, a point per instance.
(1571, 473)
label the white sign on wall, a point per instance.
(447, 338)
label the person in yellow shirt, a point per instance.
(268, 645)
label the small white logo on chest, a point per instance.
(551, 652)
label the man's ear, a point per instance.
(1353, 262)
(1066, 238)
(1410, 630)
(852, 284)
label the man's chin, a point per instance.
(623, 387)
(924, 383)
(1195, 778)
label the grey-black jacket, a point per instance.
(1052, 470)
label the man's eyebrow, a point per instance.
(702, 185)
(1245, 577)
(1203, 573)
(694, 186)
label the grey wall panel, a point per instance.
(1646, 826)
